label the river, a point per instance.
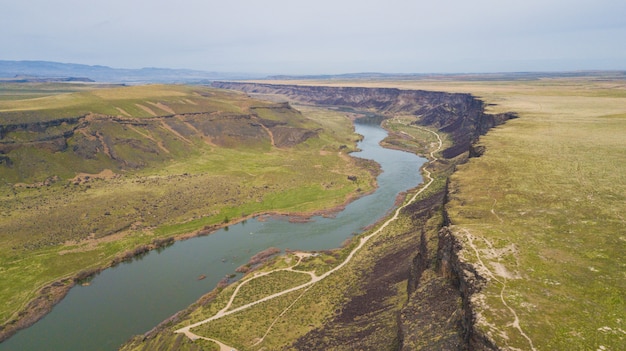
(134, 297)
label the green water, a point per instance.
(134, 297)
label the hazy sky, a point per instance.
(319, 36)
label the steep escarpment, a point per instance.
(437, 313)
(94, 142)
(460, 116)
(83, 190)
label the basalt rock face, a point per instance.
(126, 143)
(437, 314)
(461, 116)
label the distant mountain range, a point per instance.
(47, 71)
(56, 71)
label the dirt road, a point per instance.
(314, 278)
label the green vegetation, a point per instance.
(147, 163)
(275, 282)
(281, 322)
(540, 216)
(544, 208)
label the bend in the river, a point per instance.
(132, 298)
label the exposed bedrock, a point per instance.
(461, 116)
(149, 139)
(437, 314)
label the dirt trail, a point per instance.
(105, 146)
(149, 136)
(485, 270)
(204, 137)
(147, 109)
(168, 128)
(314, 278)
(269, 132)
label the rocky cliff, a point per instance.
(437, 314)
(461, 116)
(97, 141)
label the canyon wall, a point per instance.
(437, 314)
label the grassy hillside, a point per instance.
(541, 214)
(545, 209)
(358, 305)
(91, 177)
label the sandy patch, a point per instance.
(167, 127)
(501, 270)
(121, 110)
(163, 107)
(85, 177)
(147, 109)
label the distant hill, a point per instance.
(47, 70)
(456, 76)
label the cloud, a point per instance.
(280, 36)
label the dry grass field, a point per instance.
(542, 214)
(91, 175)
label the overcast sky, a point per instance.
(319, 36)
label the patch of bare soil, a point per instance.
(106, 174)
(147, 109)
(121, 110)
(163, 107)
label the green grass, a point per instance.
(285, 319)
(549, 197)
(545, 207)
(55, 231)
(257, 289)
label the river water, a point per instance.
(134, 297)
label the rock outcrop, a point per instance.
(438, 313)
(133, 143)
(461, 116)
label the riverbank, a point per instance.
(542, 237)
(140, 209)
(52, 293)
(242, 232)
(396, 249)
(362, 241)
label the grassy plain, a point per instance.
(54, 231)
(542, 213)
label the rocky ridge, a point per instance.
(151, 140)
(438, 312)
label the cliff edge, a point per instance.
(437, 313)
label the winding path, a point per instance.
(515, 324)
(314, 278)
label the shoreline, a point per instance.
(54, 292)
